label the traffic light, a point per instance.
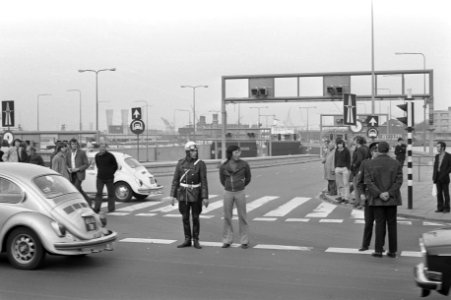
(335, 90)
(408, 119)
(259, 92)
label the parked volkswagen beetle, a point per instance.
(42, 212)
(131, 179)
(435, 272)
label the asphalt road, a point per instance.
(300, 248)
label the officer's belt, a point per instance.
(190, 186)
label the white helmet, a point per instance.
(190, 146)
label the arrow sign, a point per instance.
(8, 113)
(349, 109)
(136, 113)
(373, 121)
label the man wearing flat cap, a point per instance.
(383, 181)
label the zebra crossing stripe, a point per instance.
(133, 207)
(284, 209)
(331, 220)
(432, 224)
(411, 253)
(265, 219)
(357, 214)
(170, 207)
(213, 206)
(356, 251)
(322, 211)
(146, 215)
(257, 203)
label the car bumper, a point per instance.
(157, 191)
(422, 280)
(104, 243)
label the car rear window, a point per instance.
(132, 163)
(52, 186)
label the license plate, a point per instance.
(90, 223)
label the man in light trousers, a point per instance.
(235, 175)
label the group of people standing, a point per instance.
(190, 189)
(376, 179)
(71, 162)
(21, 151)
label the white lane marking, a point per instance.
(146, 215)
(169, 208)
(404, 222)
(432, 224)
(118, 213)
(359, 221)
(347, 250)
(133, 207)
(303, 220)
(411, 253)
(357, 214)
(284, 209)
(173, 215)
(148, 241)
(216, 244)
(282, 247)
(257, 203)
(206, 216)
(213, 206)
(322, 211)
(265, 219)
(331, 220)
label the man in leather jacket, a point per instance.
(235, 175)
(190, 188)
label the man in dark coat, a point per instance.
(358, 156)
(400, 151)
(440, 177)
(77, 162)
(383, 181)
(190, 188)
(106, 167)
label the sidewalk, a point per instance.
(423, 203)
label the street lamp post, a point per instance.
(79, 99)
(258, 116)
(147, 129)
(307, 108)
(37, 109)
(194, 87)
(266, 118)
(424, 92)
(97, 90)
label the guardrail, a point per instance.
(167, 168)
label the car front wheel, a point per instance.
(24, 249)
(123, 192)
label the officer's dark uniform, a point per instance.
(190, 186)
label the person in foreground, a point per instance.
(235, 175)
(383, 181)
(190, 188)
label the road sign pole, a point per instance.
(409, 168)
(137, 145)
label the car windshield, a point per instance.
(132, 163)
(53, 186)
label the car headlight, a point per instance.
(60, 229)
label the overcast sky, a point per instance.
(158, 46)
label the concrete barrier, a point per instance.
(167, 168)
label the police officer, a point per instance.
(190, 188)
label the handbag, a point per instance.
(434, 190)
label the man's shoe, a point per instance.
(439, 211)
(186, 243)
(376, 254)
(225, 245)
(363, 249)
(196, 244)
(446, 210)
(244, 246)
(391, 254)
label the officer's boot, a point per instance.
(186, 243)
(196, 244)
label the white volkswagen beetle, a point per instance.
(42, 212)
(131, 179)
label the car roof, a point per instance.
(24, 170)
